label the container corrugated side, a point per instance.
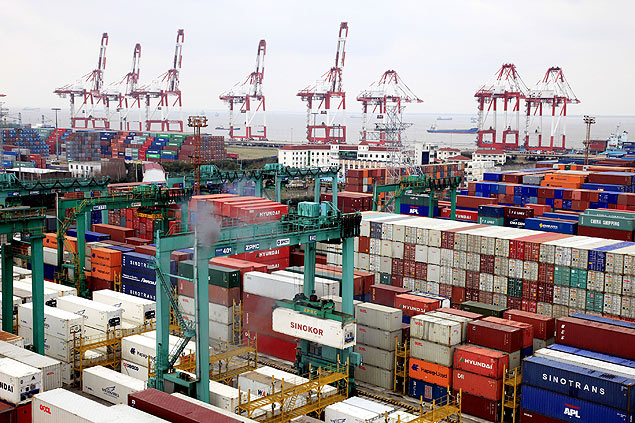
(378, 316)
(134, 309)
(587, 362)
(110, 385)
(62, 406)
(567, 408)
(217, 409)
(345, 413)
(51, 368)
(124, 413)
(435, 329)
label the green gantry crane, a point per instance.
(311, 223)
(30, 223)
(419, 184)
(80, 209)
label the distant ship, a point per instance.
(434, 130)
(444, 118)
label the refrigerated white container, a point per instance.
(134, 370)
(57, 348)
(57, 322)
(369, 405)
(217, 312)
(346, 413)
(323, 331)
(51, 368)
(134, 309)
(123, 413)
(18, 381)
(24, 290)
(97, 315)
(270, 286)
(62, 406)
(110, 385)
(378, 316)
(435, 329)
(62, 290)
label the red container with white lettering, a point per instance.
(412, 305)
(482, 361)
(474, 384)
(385, 294)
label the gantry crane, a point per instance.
(310, 224)
(382, 109)
(129, 98)
(326, 100)
(88, 90)
(555, 94)
(246, 99)
(509, 89)
(163, 97)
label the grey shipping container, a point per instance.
(378, 316)
(375, 376)
(374, 356)
(374, 337)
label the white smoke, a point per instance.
(207, 226)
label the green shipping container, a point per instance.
(594, 301)
(417, 200)
(609, 213)
(217, 275)
(578, 278)
(562, 275)
(515, 287)
(607, 222)
(384, 278)
(498, 221)
(152, 156)
(482, 308)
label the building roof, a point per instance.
(342, 147)
(448, 149)
(484, 151)
(460, 157)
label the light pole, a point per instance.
(588, 120)
(57, 135)
(197, 122)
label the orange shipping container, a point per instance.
(429, 372)
(105, 272)
(105, 257)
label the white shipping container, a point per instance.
(346, 413)
(612, 304)
(363, 261)
(561, 295)
(134, 309)
(587, 363)
(434, 255)
(432, 288)
(501, 266)
(628, 286)
(458, 277)
(397, 249)
(375, 246)
(57, 348)
(18, 381)
(381, 339)
(98, 316)
(435, 329)
(323, 287)
(463, 321)
(323, 331)
(385, 264)
(500, 284)
(369, 405)
(16, 302)
(421, 253)
(447, 257)
(51, 369)
(486, 282)
(110, 385)
(386, 248)
(270, 286)
(595, 281)
(220, 331)
(217, 312)
(62, 406)
(499, 300)
(24, 290)
(62, 290)
(530, 270)
(613, 283)
(378, 316)
(57, 322)
(434, 273)
(445, 275)
(432, 352)
(459, 260)
(134, 370)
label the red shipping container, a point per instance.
(472, 294)
(409, 269)
(458, 294)
(421, 271)
(514, 303)
(481, 361)
(486, 297)
(276, 264)
(260, 256)
(482, 386)
(495, 336)
(605, 233)
(385, 294)
(276, 347)
(467, 215)
(134, 241)
(146, 249)
(528, 329)
(480, 407)
(530, 306)
(117, 233)
(258, 305)
(512, 212)
(531, 417)
(594, 336)
(472, 202)
(364, 245)
(217, 294)
(262, 324)
(445, 290)
(397, 267)
(173, 409)
(545, 273)
(544, 326)
(412, 305)
(409, 251)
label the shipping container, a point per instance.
(323, 331)
(346, 413)
(429, 372)
(595, 336)
(62, 406)
(434, 329)
(57, 322)
(478, 385)
(110, 385)
(134, 309)
(51, 369)
(480, 407)
(125, 413)
(483, 309)
(434, 353)
(428, 392)
(97, 316)
(544, 326)
(483, 361)
(379, 338)
(18, 381)
(378, 316)
(376, 357)
(495, 336)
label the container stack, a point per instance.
(110, 385)
(134, 311)
(544, 326)
(51, 369)
(614, 224)
(349, 202)
(82, 146)
(379, 329)
(137, 277)
(105, 264)
(98, 318)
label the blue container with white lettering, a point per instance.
(569, 409)
(594, 355)
(548, 225)
(138, 263)
(416, 210)
(139, 290)
(429, 392)
(603, 388)
(131, 276)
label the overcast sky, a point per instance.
(444, 50)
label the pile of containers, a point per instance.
(548, 274)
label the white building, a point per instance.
(498, 156)
(348, 156)
(446, 153)
(84, 169)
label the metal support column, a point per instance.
(431, 204)
(334, 189)
(309, 268)
(317, 191)
(347, 275)
(162, 315)
(86, 223)
(7, 288)
(278, 189)
(37, 269)
(185, 216)
(241, 187)
(81, 240)
(453, 204)
(104, 213)
(258, 187)
(202, 321)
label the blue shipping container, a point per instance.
(128, 276)
(137, 290)
(606, 320)
(120, 248)
(515, 223)
(137, 262)
(491, 211)
(429, 392)
(546, 225)
(552, 215)
(416, 210)
(90, 236)
(594, 355)
(558, 406)
(575, 381)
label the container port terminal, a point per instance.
(153, 270)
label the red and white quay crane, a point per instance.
(552, 93)
(382, 109)
(326, 100)
(128, 95)
(90, 107)
(247, 99)
(507, 91)
(163, 97)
